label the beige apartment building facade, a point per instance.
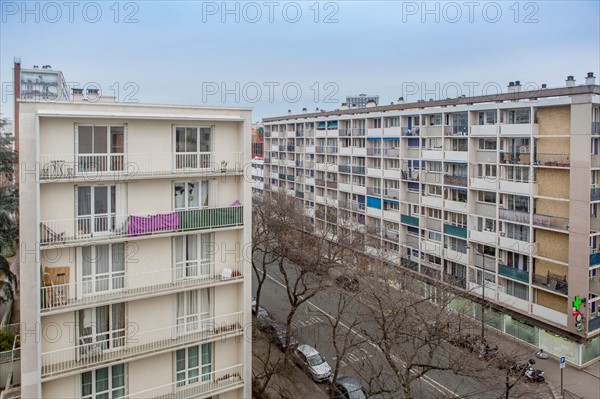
(134, 221)
(496, 189)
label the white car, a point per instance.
(312, 362)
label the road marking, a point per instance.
(433, 383)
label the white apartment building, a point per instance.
(496, 196)
(134, 220)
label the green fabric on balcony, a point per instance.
(199, 219)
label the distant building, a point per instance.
(361, 101)
(257, 141)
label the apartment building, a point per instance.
(497, 196)
(134, 219)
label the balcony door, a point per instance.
(96, 209)
(192, 256)
(100, 148)
(102, 269)
(193, 307)
(193, 146)
(101, 328)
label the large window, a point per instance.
(191, 195)
(100, 148)
(192, 256)
(193, 364)
(193, 146)
(192, 308)
(519, 116)
(102, 268)
(104, 383)
(487, 117)
(488, 144)
(517, 290)
(101, 328)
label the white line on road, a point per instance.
(433, 383)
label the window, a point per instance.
(435, 119)
(436, 260)
(485, 224)
(488, 144)
(456, 244)
(435, 236)
(377, 123)
(192, 256)
(192, 147)
(456, 219)
(392, 121)
(100, 148)
(192, 364)
(517, 290)
(519, 116)
(434, 143)
(487, 117)
(434, 166)
(517, 261)
(192, 307)
(486, 196)
(432, 213)
(191, 195)
(102, 268)
(487, 170)
(96, 208)
(517, 231)
(517, 203)
(104, 383)
(101, 328)
(434, 190)
(456, 195)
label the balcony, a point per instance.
(514, 216)
(391, 193)
(353, 205)
(358, 170)
(456, 231)
(84, 229)
(594, 259)
(515, 158)
(374, 152)
(299, 133)
(595, 194)
(553, 282)
(358, 131)
(409, 264)
(331, 150)
(123, 345)
(209, 385)
(345, 168)
(553, 160)
(391, 152)
(511, 272)
(391, 235)
(553, 222)
(78, 166)
(281, 147)
(122, 287)
(331, 183)
(299, 194)
(484, 130)
(374, 191)
(410, 175)
(291, 148)
(409, 220)
(453, 180)
(596, 128)
(454, 131)
(410, 131)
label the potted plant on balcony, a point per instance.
(223, 166)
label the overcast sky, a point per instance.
(280, 55)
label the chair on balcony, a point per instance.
(88, 350)
(50, 236)
(54, 295)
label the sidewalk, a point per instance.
(584, 383)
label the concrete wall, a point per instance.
(553, 183)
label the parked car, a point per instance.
(263, 318)
(347, 388)
(276, 332)
(311, 361)
(347, 282)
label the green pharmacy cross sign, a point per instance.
(577, 302)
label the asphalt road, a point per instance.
(365, 361)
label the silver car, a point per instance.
(312, 363)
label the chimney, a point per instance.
(304, 110)
(289, 111)
(570, 81)
(371, 103)
(344, 106)
(511, 87)
(590, 79)
(400, 100)
(77, 95)
(544, 85)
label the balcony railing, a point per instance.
(299, 194)
(345, 168)
(552, 282)
(374, 190)
(557, 160)
(358, 170)
(87, 228)
(299, 133)
(410, 220)
(456, 231)
(391, 152)
(123, 344)
(291, 148)
(391, 193)
(409, 264)
(68, 166)
(118, 287)
(410, 131)
(522, 158)
(331, 183)
(331, 150)
(517, 274)
(594, 259)
(391, 234)
(353, 205)
(553, 222)
(209, 384)
(358, 131)
(455, 180)
(374, 151)
(456, 130)
(514, 216)
(291, 177)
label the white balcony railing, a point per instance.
(209, 384)
(68, 166)
(102, 289)
(129, 342)
(102, 227)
